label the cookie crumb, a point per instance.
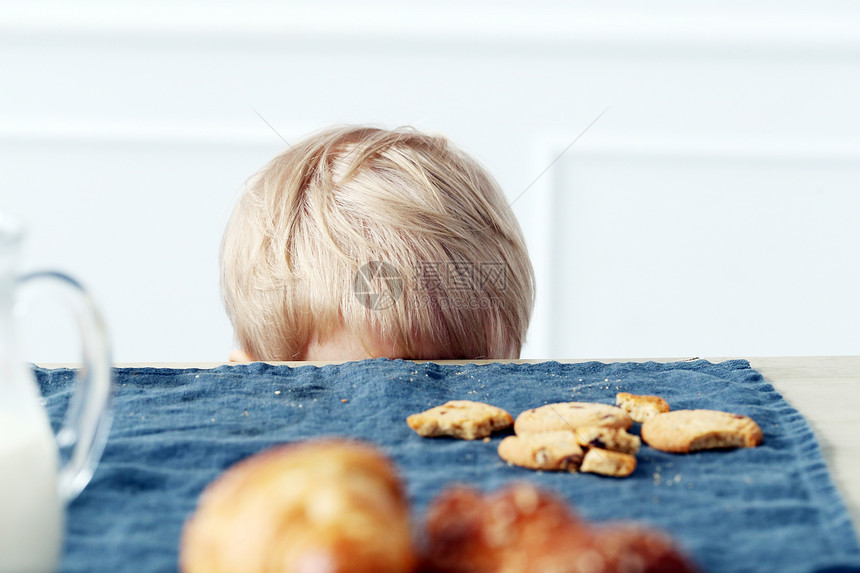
(640, 407)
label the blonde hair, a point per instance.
(317, 232)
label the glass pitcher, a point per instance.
(34, 486)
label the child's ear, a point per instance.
(239, 356)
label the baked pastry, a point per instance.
(332, 506)
(608, 463)
(552, 451)
(640, 407)
(571, 415)
(523, 529)
(462, 419)
(520, 528)
(625, 548)
(615, 439)
(684, 431)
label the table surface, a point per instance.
(825, 389)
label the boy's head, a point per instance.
(395, 241)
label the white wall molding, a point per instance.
(739, 27)
(539, 238)
(73, 131)
(781, 231)
(146, 110)
(736, 147)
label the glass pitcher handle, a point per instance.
(88, 417)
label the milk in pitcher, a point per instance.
(31, 512)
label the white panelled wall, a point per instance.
(711, 210)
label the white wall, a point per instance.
(709, 211)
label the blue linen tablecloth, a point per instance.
(772, 508)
